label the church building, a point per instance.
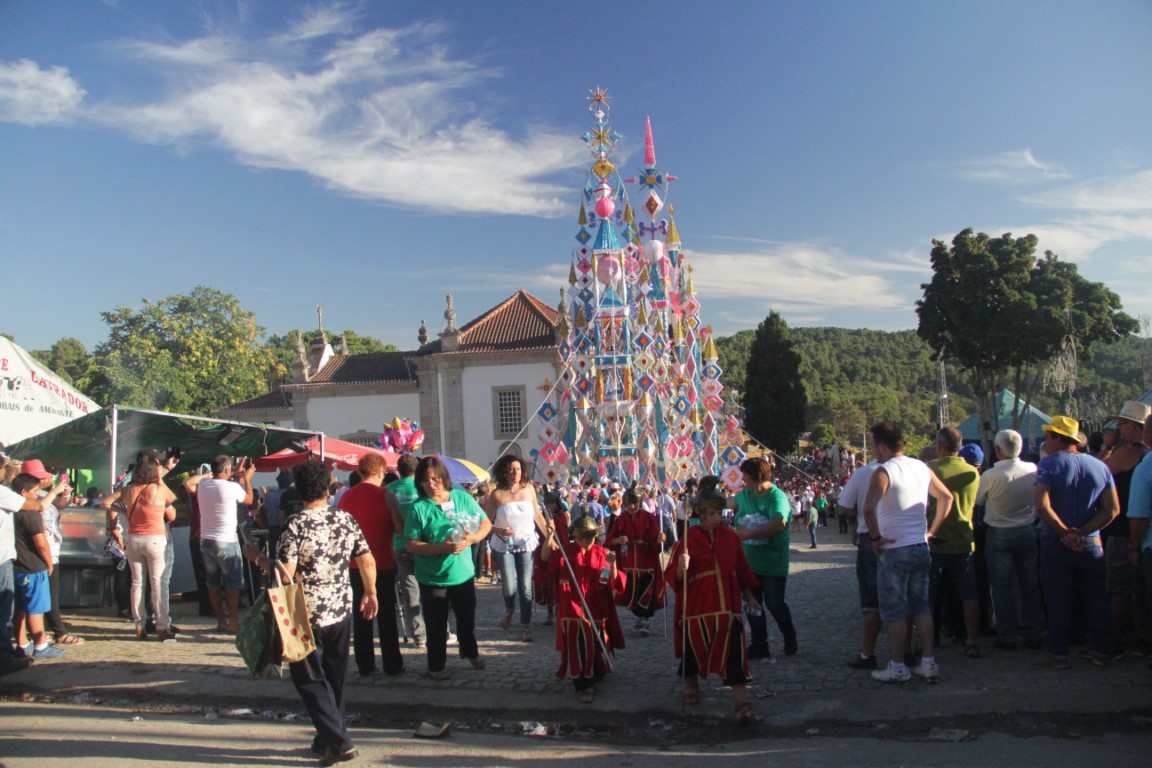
(473, 390)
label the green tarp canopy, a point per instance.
(1032, 421)
(86, 442)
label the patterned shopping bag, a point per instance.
(291, 615)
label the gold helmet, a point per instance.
(585, 526)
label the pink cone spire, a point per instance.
(649, 147)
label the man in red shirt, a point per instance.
(366, 502)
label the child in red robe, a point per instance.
(636, 539)
(543, 583)
(596, 579)
(709, 619)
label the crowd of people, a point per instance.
(1026, 551)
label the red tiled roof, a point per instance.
(520, 322)
(368, 367)
(271, 401)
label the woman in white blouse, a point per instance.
(518, 527)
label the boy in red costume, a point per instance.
(636, 539)
(596, 579)
(709, 580)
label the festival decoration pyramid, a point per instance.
(639, 396)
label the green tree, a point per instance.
(69, 359)
(774, 397)
(189, 353)
(996, 311)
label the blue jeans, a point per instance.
(770, 594)
(7, 605)
(902, 582)
(812, 533)
(1014, 569)
(1061, 571)
(516, 577)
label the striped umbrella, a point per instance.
(463, 471)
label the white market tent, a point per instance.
(33, 399)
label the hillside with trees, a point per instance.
(855, 377)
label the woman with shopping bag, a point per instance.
(314, 550)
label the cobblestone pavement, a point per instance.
(815, 685)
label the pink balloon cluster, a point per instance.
(402, 436)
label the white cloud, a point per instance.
(1122, 192)
(1012, 167)
(33, 96)
(376, 115)
(1098, 212)
(799, 276)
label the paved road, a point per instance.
(40, 736)
(811, 689)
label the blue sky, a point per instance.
(372, 157)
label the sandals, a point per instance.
(691, 694)
(972, 651)
(587, 695)
(69, 639)
(506, 620)
(439, 676)
(745, 715)
(477, 662)
(525, 635)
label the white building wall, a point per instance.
(337, 416)
(481, 445)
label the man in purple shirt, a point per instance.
(1075, 498)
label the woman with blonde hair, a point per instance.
(146, 503)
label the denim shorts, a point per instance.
(866, 576)
(902, 580)
(32, 594)
(223, 564)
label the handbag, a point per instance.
(290, 614)
(258, 641)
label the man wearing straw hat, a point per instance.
(1075, 497)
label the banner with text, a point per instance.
(32, 398)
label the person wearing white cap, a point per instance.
(1121, 578)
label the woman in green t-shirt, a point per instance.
(444, 524)
(761, 522)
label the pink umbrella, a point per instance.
(338, 453)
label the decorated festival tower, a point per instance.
(639, 396)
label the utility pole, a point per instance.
(942, 394)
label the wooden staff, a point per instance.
(579, 591)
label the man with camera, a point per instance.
(218, 498)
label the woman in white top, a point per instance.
(516, 518)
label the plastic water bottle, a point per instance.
(623, 549)
(605, 574)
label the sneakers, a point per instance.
(862, 662)
(644, 628)
(452, 641)
(49, 652)
(927, 671)
(890, 675)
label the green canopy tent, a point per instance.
(111, 437)
(1032, 421)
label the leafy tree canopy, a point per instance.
(189, 353)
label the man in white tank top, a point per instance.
(894, 512)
